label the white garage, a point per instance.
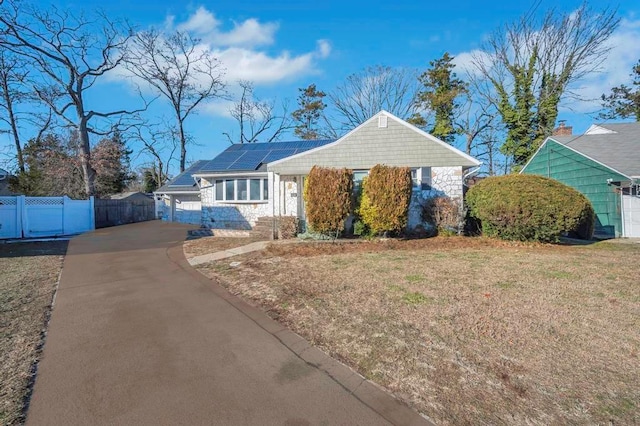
(631, 214)
(179, 200)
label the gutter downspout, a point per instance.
(471, 173)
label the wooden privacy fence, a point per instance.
(119, 212)
(35, 217)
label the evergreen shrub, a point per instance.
(327, 197)
(530, 208)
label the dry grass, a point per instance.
(467, 331)
(206, 245)
(28, 275)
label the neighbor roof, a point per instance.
(618, 150)
(184, 182)
(252, 156)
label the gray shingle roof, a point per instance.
(619, 151)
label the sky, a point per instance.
(284, 45)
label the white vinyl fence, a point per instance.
(31, 217)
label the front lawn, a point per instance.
(466, 331)
(28, 276)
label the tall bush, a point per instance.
(386, 195)
(327, 196)
(529, 207)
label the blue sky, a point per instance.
(283, 45)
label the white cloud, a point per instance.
(248, 33)
(220, 108)
(624, 53)
(324, 48)
(238, 50)
(260, 68)
(201, 22)
(464, 62)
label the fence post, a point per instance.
(92, 206)
(22, 214)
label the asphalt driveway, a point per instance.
(139, 337)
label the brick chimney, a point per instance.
(562, 129)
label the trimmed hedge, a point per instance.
(530, 208)
(386, 195)
(327, 196)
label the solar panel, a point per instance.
(249, 161)
(185, 178)
(278, 154)
(251, 156)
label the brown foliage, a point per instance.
(327, 196)
(442, 212)
(386, 196)
(287, 227)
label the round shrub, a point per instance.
(530, 208)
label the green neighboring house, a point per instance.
(604, 165)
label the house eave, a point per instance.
(239, 173)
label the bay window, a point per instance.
(241, 189)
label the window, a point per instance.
(358, 176)
(219, 189)
(415, 178)
(425, 178)
(254, 189)
(229, 192)
(241, 190)
(421, 178)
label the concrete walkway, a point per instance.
(210, 257)
(139, 337)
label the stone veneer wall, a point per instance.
(445, 181)
(217, 215)
(290, 202)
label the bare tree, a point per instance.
(375, 88)
(179, 68)
(70, 52)
(532, 64)
(257, 120)
(477, 116)
(17, 103)
(160, 144)
(12, 79)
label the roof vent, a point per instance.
(382, 121)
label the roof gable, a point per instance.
(394, 143)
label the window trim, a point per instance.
(264, 181)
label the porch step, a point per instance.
(264, 227)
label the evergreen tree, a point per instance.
(441, 89)
(112, 164)
(624, 101)
(309, 113)
(51, 168)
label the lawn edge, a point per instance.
(33, 370)
(373, 395)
